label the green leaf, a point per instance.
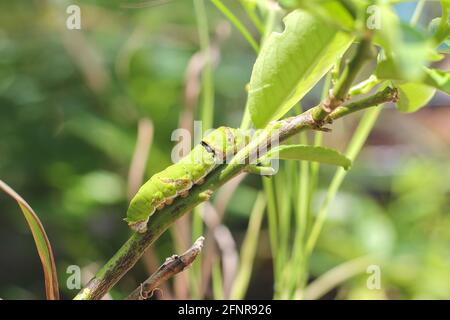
(310, 153)
(413, 96)
(42, 243)
(435, 78)
(291, 63)
(408, 49)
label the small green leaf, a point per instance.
(413, 96)
(310, 153)
(291, 63)
(435, 78)
(440, 29)
(408, 49)
(42, 243)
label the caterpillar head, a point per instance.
(225, 142)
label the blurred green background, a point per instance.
(70, 102)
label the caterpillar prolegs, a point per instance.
(176, 180)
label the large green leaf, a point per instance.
(291, 63)
(42, 243)
(309, 153)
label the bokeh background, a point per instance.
(70, 104)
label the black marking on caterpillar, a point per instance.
(176, 180)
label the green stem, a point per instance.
(318, 137)
(272, 221)
(365, 86)
(248, 249)
(376, 99)
(269, 24)
(246, 122)
(235, 21)
(207, 109)
(356, 144)
(253, 16)
(195, 270)
(217, 281)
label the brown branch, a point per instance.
(172, 266)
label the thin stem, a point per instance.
(207, 117)
(318, 137)
(248, 251)
(217, 281)
(252, 15)
(235, 21)
(207, 108)
(363, 104)
(417, 12)
(365, 86)
(360, 136)
(246, 122)
(272, 220)
(195, 270)
(269, 24)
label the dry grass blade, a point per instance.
(140, 156)
(42, 243)
(172, 266)
(227, 246)
(136, 176)
(337, 275)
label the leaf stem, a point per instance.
(339, 93)
(355, 146)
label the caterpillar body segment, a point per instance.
(178, 179)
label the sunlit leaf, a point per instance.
(42, 243)
(408, 49)
(332, 11)
(310, 153)
(291, 63)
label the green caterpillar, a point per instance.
(176, 180)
